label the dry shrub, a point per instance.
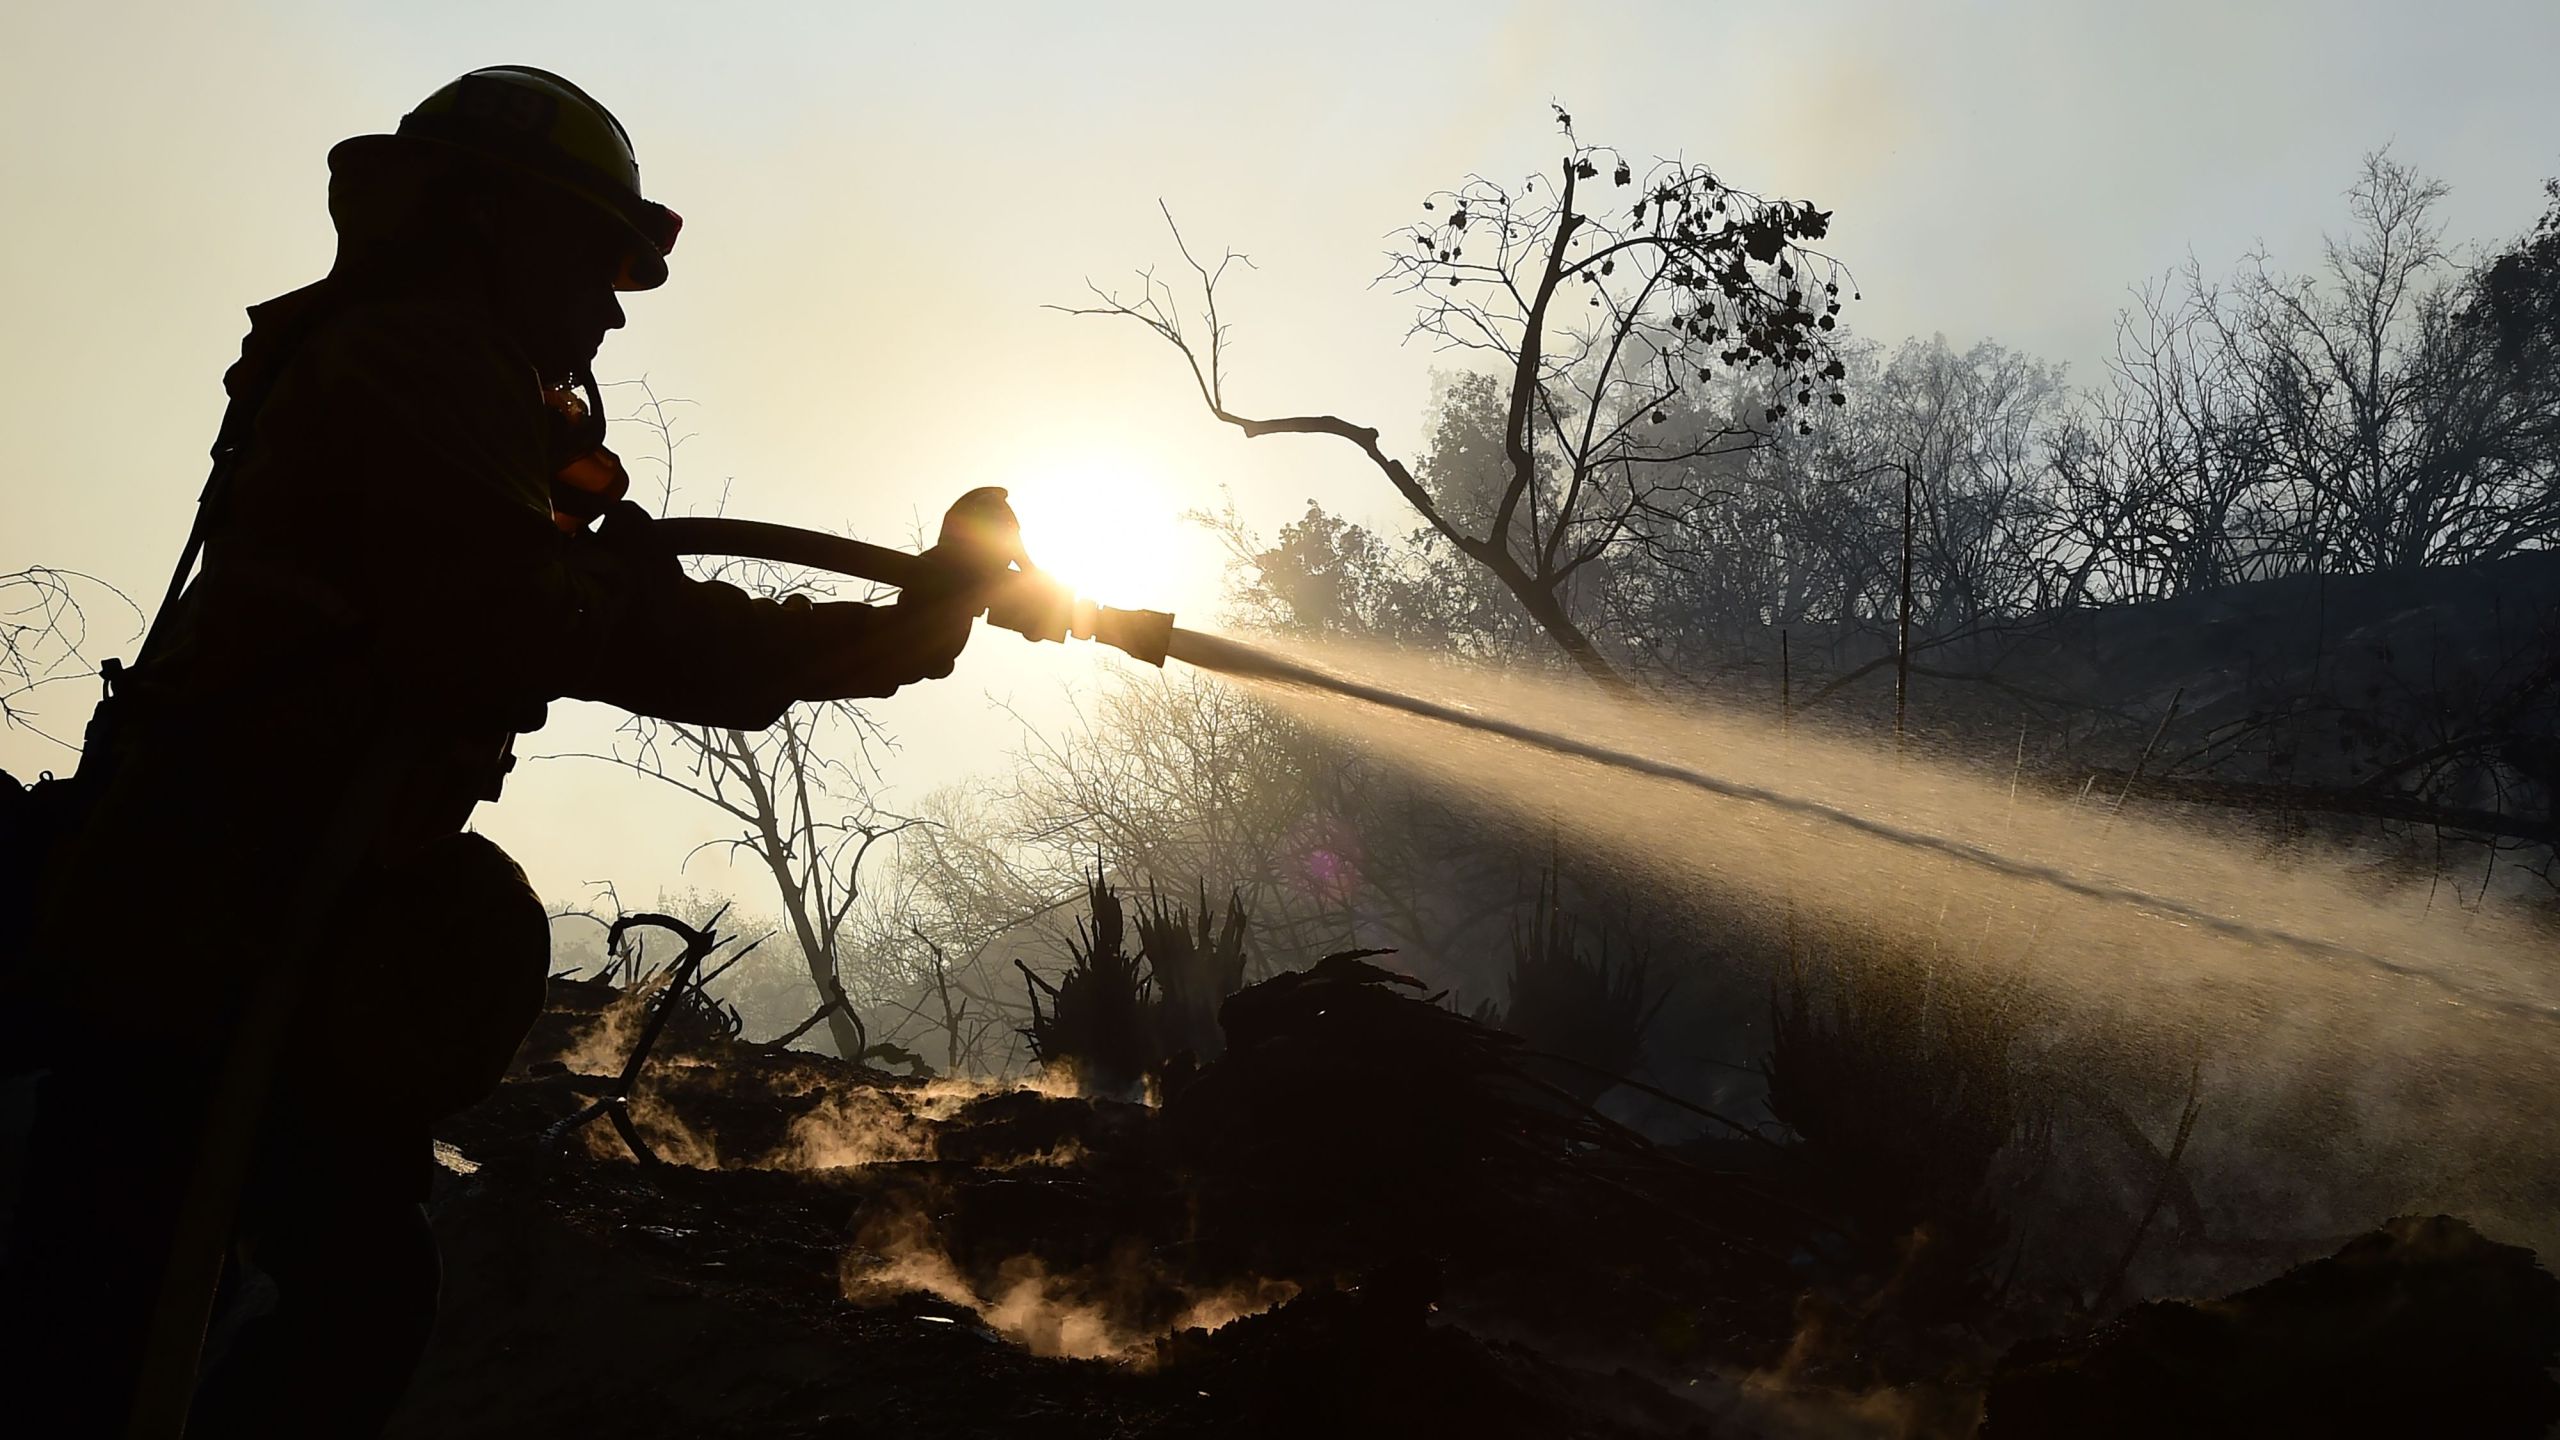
(1116, 1020)
(1194, 971)
(1099, 1024)
(1582, 1004)
(1898, 1072)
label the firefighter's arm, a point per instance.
(481, 600)
(708, 653)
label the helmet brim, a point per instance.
(644, 265)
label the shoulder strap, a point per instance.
(277, 329)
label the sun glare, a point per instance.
(1113, 530)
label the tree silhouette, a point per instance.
(1606, 309)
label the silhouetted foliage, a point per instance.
(1194, 970)
(1898, 1075)
(1684, 282)
(1577, 1002)
(1099, 1023)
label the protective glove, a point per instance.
(628, 534)
(981, 539)
(979, 545)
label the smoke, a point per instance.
(2393, 1040)
(600, 1047)
(869, 1125)
(1116, 1308)
(876, 1124)
(1111, 1311)
(680, 1100)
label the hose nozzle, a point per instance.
(1033, 605)
(1140, 634)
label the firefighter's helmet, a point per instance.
(535, 123)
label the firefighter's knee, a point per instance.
(460, 958)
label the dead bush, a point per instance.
(1897, 1072)
(1194, 971)
(1576, 1002)
(1098, 1025)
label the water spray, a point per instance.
(1229, 657)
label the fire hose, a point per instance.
(980, 552)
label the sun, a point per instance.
(1112, 529)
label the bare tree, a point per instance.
(961, 893)
(44, 631)
(1681, 278)
(806, 816)
(1182, 780)
(1176, 786)
(804, 811)
(2159, 475)
(1806, 532)
(1968, 430)
(2379, 406)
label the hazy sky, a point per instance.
(878, 199)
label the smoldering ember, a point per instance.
(1739, 877)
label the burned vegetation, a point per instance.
(1333, 1202)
